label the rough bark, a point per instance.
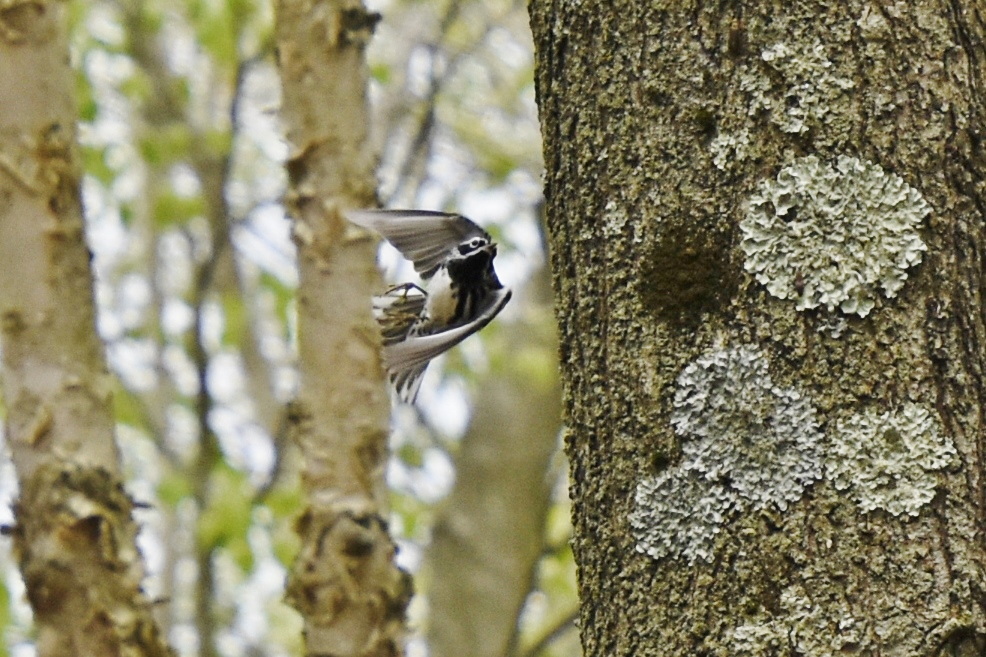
(489, 535)
(74, 536)
(344, 582)
(706, 346)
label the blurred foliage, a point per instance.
(196, 286)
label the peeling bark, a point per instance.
(74, 537)
(664, 123)
(345, 584)
(76, 545)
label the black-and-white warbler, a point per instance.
(454, 257)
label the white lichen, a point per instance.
(833, 326)
(755, 639)
(820, 627)
(797, 88)
(730, 147)
(747, 444)
(676, 514)
(833, 235)
(742, 428)
(796, 91)
(889, 459)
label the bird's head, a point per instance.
(475, 245)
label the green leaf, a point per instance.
(218, 142)
(137, 87)
(284, 296)
(235, 320)
(411, 455)
(94, 164)
(414, 514)
(126, 408)
(127, 213)
(4, 615)
(76, 16)
(381, 73)
(170, 209)
(240, 14)
(285, 543)
(558, 524)
(238, 549)
(284, 502)
(228, 514)
(88, 108)
(498, 164)
(216, 36)
(166, 145)
(173, 488)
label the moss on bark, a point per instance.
(660, 120)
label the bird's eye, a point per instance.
(471, 245)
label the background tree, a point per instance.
(351, 594)
(184, 162)
(74, 536)
(767, 235)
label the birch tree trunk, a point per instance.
(74, 537)
(767, 223)
(345, 584)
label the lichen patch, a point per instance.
(889, 459)
(678, 514)
(805, 626)
(834, 235)
(797, 88)
(740, 426)
(747, 444)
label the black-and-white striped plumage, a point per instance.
(463, 294)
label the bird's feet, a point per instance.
(405, 288)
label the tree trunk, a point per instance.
(767, 225)
(344, 582)
(74, 537)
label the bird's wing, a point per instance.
(407, 382)
(422, 236)
(406, 360)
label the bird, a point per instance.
(462, 293)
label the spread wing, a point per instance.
(422, 236)
(406, 360)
